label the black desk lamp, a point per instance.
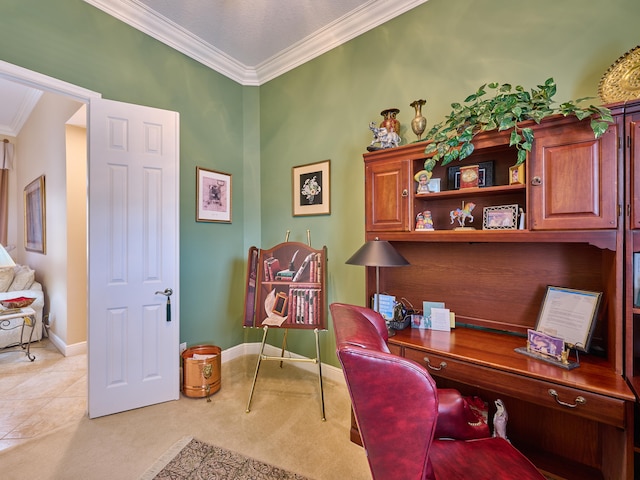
(378, 253)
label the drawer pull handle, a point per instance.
(580, 400)
(440, 367)
(405, 193)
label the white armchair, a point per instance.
(28, 288)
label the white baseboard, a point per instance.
(328, 371)
(79, 348)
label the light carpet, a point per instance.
(192, 459)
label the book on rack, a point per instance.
(305, 263)
(304, 305)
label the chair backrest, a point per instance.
(353, 329)
(394, 399)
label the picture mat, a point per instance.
(320, 205)
(213, 196)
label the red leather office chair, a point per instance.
(396, 406)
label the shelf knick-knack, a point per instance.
(390, 122)
(419, 123)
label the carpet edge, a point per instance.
(166, 457)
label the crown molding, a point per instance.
(368, 16)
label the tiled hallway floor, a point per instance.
(40, 396)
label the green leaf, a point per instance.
(522, 156)
(506, 123)
(514, 139)
(581, 114)
(466, 150)
(599, 127)
(431, 148)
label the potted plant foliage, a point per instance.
(452, 138)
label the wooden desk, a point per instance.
(562, 436)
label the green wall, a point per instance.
(75, 42)
(440, 51)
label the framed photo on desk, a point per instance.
(570, 315)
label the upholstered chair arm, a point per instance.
(396, 410)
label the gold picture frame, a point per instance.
(311, 190)
(35, 238)
(516, 175)
(213, 196)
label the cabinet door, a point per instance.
(387, 196)
(633, 142)
(573, 178)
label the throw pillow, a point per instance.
(24, 278)
(6, 277)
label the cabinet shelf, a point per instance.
(605, 239)
(476, 192)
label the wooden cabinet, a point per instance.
(387, 186)
(494, 279)
(573, 177)
(631, 147)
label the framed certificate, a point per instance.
(569, 314)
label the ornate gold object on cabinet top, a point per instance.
(622, 80)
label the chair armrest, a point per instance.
(457, 419)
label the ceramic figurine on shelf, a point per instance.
(500, 420)
(462, 214)
(424, 221)
(423, 177)
(386, 138)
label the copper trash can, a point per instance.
(201, 377)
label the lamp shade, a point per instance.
(377, 253)
(5, 258)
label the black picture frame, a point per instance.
(485, 175)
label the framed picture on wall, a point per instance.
(213, 196)
(35, 216)
(311, 190)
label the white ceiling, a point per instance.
(249, 41)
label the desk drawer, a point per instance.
(570, 400)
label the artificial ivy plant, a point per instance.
(451, 139)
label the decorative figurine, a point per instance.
(500, 420)
(424, 221)
(423, 177)
(461, 214)
(386, 139)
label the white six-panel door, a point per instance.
(133, 343)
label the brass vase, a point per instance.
(419, 123)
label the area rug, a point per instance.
(191, 459)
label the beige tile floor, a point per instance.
(45, 433)
(38, 397)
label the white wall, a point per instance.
(76, 234)
(41, 150)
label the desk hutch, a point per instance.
(581, 199)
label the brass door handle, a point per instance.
(579, 400)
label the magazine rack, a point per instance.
(286, 289)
